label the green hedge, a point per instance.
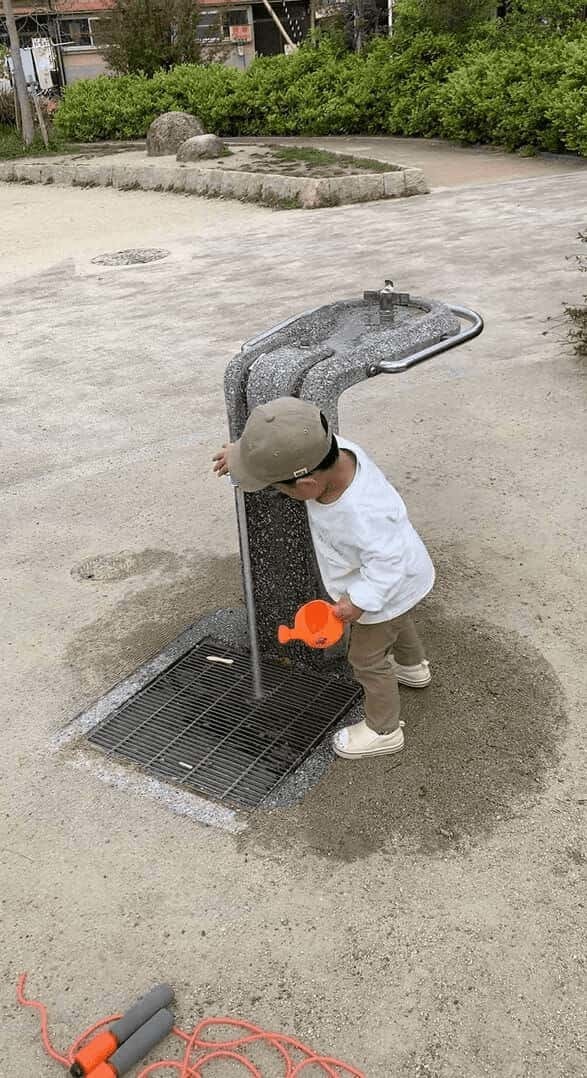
(532, 95)
(517, 93)
(123, 107)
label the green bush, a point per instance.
(208, 91)
(492, 87)
(566, 108)
(123, 107)
(411, 76)
(7, 108)
(306, 93)
(108, 108)
(454, 16)
(506, 95)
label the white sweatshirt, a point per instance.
(367, 548)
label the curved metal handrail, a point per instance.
(396, 366)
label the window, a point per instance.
(238, 17)
(77, 32)
(209, 26)
(214, 26)
(29, 26)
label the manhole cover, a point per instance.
(133, 257)
(198, 724)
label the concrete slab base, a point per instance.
(226, 625)
(132, 170)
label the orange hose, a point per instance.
(189, 1067)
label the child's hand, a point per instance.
(347, 611)
(221, 461)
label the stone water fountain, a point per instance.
(317, 356)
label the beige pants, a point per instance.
(371, 649)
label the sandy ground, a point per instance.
(69, 225)
(421, 920)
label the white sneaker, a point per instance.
(417, 677)
(353, 742)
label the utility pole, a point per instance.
(22, 94)
(390, 17)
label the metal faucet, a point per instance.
(383, 302)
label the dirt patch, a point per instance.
(480, 743)
(305, 161)
(107, 568)
(146, 620)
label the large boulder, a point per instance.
(198, 146)
(168, 131)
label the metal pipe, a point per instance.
(280, 26)
(243, 532)
(396, 366)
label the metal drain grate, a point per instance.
(199, 725)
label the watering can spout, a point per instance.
(315, 624)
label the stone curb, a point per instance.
(288, 192)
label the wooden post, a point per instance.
(17, 112)
(20, 86)
(41, 120)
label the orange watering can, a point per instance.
(315, 624)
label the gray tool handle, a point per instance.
(159, 996)
(141, 1042)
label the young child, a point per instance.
(374, 565)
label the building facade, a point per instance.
(242, 30)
